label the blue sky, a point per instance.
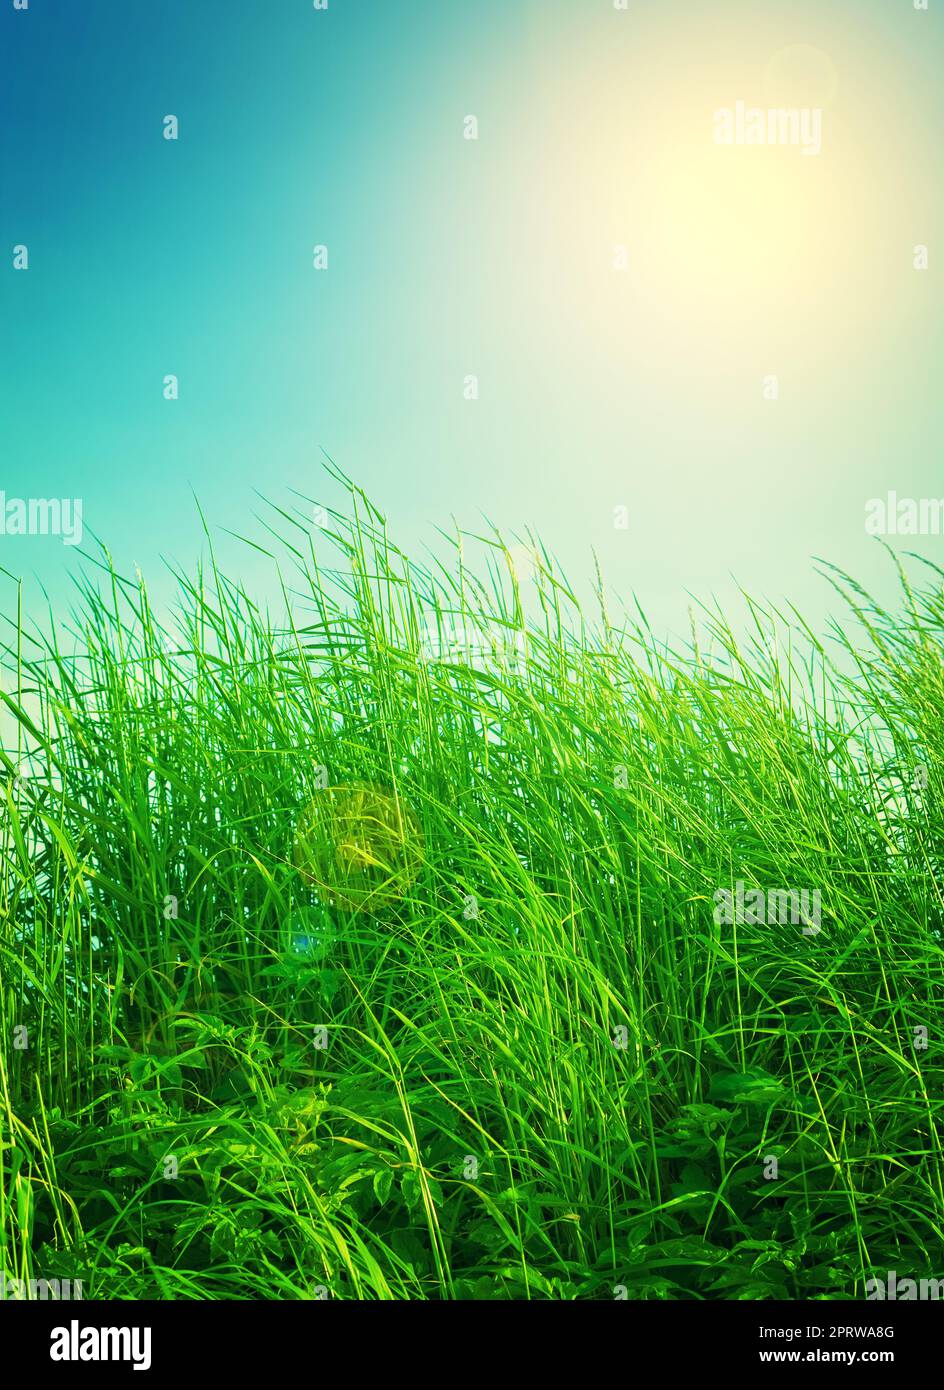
(451, 258)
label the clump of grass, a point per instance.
(531, 1063)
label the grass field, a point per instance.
(373, 949)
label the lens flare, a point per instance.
(359, 846)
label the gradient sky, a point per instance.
(598, 388)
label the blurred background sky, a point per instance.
(598, 388)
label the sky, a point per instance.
(697, 359)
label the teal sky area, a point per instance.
(599, 387)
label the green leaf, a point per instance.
(383, 1182)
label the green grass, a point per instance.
(496, 1045)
